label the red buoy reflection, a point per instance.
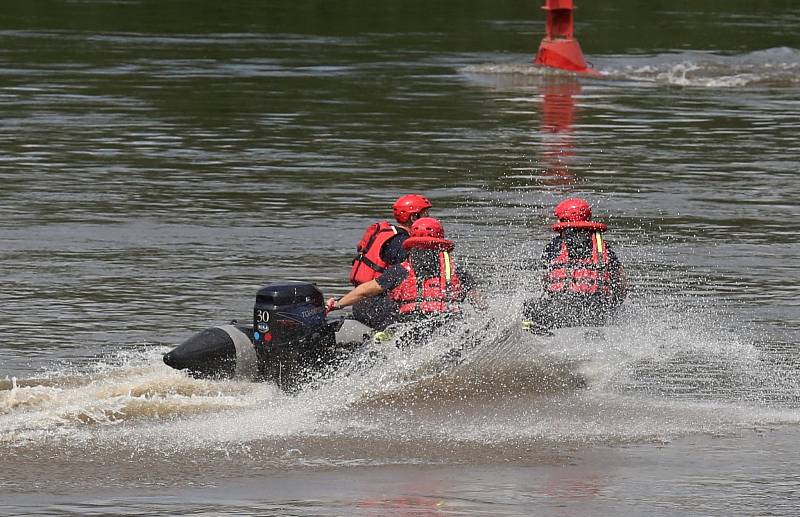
(558, 113)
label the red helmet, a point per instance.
(427, 234)
(427, 227)
(573, 210)
(409, 205)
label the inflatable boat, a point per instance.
(289, 340)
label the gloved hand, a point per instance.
(332, 305)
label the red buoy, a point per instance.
(559, 48)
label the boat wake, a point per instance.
(775, 67)
(652, 375)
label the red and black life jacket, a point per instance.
(581, 276)
(434, 295)
(368, 265)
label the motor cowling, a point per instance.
(287, 311)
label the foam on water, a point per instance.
(132, 387)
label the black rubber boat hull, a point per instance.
(229, 351)
(224, 351)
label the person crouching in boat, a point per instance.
(584, 282)
(427, 283)
(381, 247)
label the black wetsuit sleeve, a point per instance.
(467, 280)
(392, 277)
(392, 251)
(550, 252)
(613, 261)
(619, 282)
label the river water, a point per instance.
(163, 160)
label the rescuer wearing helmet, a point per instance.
(381, 246)
(584, 282)
(426, 283)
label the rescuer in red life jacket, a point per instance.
(427, 283)
(584, 282)
(381, 246)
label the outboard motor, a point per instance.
(290, 333)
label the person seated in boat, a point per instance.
(380, 247)
(427, 283)
(584, 282)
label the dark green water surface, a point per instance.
(162, 160)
